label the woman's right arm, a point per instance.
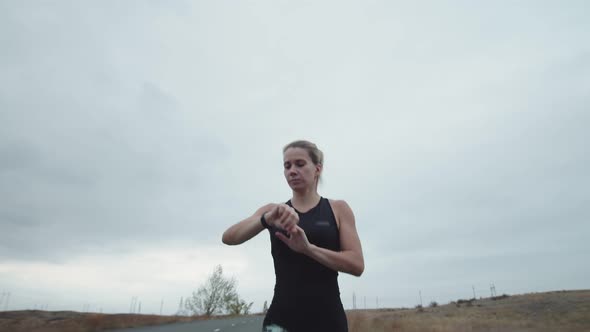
(247, 228)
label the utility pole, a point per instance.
(353, 300)
(181, 306)
(7, 300)
(133, 307)
(473, 287)
(139, 310)
(365, 300)
(420, 293)
(161, 306)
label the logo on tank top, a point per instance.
(322, 223)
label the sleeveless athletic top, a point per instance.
(306, 293)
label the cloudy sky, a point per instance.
(133, 133)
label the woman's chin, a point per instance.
(297, 186)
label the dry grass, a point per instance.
(564, 311)
(69, 321)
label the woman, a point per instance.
(312, 238)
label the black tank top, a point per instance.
(299, 275)
(306, 295)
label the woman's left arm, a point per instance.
(350, 257)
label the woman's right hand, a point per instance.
(282, 216)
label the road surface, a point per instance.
(239, 324)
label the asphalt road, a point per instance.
(240, 324)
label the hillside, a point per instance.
(565, 311)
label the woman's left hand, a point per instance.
(297, 241)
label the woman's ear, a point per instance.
(318, 169)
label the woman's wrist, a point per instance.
(263, 221)
(309, 250)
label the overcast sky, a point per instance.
(133, 133)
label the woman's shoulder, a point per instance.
(339, 205)
(341, 210)
(338, 202)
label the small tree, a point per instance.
(238, 307)
(265, 307)
(214, 296)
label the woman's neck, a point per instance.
(303, 201)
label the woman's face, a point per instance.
(300, 171)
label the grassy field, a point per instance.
(69, 321)
(562, 311)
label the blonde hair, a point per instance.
(316, 155)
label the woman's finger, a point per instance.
(282, 237)
(292, 229)
(283, 218)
